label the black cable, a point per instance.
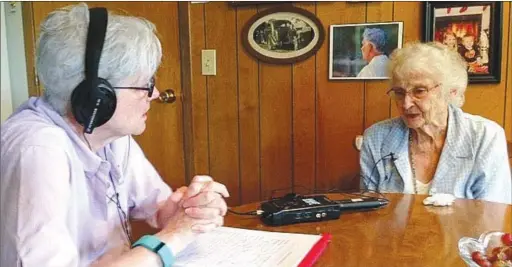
(392, 155)
(249, 213)
(288, 188)
(333, 190)
(87, 141)
(120, 212)
(350, 193)
(359, 194)
(374, 192)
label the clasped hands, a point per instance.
(200, 207)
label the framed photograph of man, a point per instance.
(473, 29)
(361, 51)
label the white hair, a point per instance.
(131, 49)
(437, 62)
(377, 37)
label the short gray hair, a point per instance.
(131, 48)
(377, 37)
(437, 62)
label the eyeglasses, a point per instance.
(416, 93)
(150, 88)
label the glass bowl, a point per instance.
(483, 244)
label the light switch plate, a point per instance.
(208, 62)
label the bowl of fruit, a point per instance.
(491, 249)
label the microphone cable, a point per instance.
(123, 217)
(125, 224)
(392, 155)
(249, 213)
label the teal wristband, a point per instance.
(160, 248)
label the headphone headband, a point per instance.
(94, 101)
(98, 19)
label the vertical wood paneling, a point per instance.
(339, 107)
(377, 103)
(275, 83)
(411, 13)
(249, 113)
(487, 100)
(199, 95)
(304, 102)
(263, 126)
(508, 100)
(276, 127)
(223, 135)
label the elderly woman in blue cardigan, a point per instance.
(434, 146)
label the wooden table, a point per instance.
(405, 233)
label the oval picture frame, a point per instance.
(283, 35)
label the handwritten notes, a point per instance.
(233, 247)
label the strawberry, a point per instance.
(507, 239)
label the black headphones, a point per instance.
(94, 101)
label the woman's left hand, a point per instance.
(205, 197)
(202, 199)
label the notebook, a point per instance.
(234, 247)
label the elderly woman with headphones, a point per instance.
(72, 175)
(434, 146)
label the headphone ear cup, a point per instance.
(80, 99)
(104, 92)
(84, 102)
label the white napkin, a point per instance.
(439, 200)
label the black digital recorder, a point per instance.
(297, 209)
(294, 208)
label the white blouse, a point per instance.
(423, 189)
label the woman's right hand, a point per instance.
(181, 229)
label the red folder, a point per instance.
(316, 251)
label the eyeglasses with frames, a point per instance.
(416, 93)
(150, 88)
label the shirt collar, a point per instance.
(378, 59)
(457, 137)
(91, 161)
(396, 141)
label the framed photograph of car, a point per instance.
(283, 35)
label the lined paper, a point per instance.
(234, 247)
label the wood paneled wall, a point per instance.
(258, 127)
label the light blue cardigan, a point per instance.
(473, 164)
